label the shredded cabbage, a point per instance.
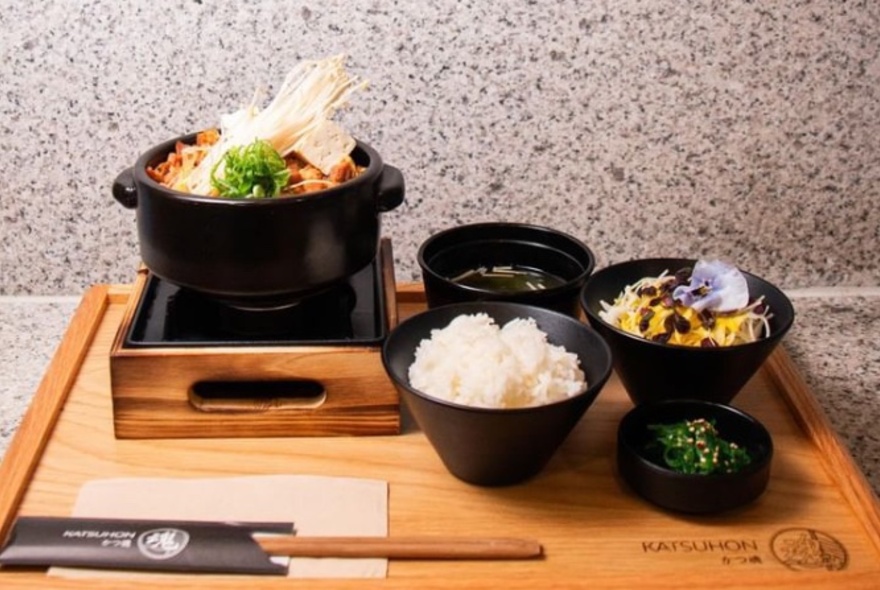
(648, 309)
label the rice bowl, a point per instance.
(493, 446)
(475, 362)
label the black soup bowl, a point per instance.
(259, 251)
(641, 464)
(558, 263)
(653, 371)
(496, 446)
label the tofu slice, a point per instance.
(325, 146)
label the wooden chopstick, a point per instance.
(402, 547)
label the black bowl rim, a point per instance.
(477, 306)
(783, 329)
(141, 176)
(575, 242)
(638, 417)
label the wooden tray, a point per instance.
(817, 526)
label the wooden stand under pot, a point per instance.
(154, 391)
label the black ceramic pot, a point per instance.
(259, 251)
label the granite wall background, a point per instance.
(743, 129)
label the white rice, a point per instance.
(473, 362)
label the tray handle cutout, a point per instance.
(256, 396)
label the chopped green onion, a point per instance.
(254, 171)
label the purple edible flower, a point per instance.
(715, 286)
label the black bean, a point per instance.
(682, 325)
(662, 338)
(708, 343)
(645, 322)
(647, 291)
(668, 285)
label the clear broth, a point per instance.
(508, 279)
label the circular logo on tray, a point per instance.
(803, 549)
(162, 543)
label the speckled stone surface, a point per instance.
(832, 343)
(749, 130)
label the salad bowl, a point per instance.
(652, 370)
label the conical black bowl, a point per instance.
(491, 446)
(652, 371)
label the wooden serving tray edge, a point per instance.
(26, 448)
(833, 452)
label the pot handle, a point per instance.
(124, 189)
(391, 189)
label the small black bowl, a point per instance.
(642, 466)
(492, 446)
(452, 252)
(651, 371)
